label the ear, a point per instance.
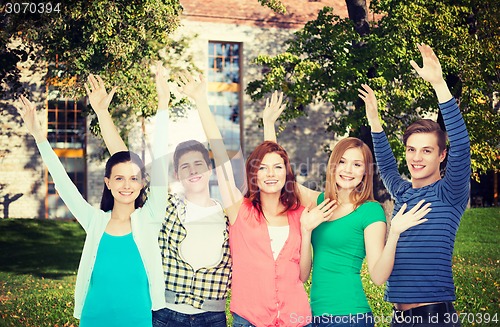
(106, 181)
(442, 155)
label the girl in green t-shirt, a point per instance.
(356, 230)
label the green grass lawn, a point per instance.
(39, 258)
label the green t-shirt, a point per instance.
(338, 252)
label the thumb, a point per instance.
(415, 66)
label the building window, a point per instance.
(66, 133)
(225, 101)
(224, 90)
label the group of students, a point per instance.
(171, 259)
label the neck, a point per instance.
(419, 183)
(271, 203)
(122, 211)
(343, 196)
(201, 199)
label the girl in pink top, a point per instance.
(265, 229)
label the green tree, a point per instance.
(330, 57)
(116, 39)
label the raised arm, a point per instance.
(159, 167)
(68, 192)
(100, 100)
(231, 196)
(431, 72)
(380, 257)
(386, 161)
(273, 109)
(457, 176)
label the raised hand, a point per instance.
(28, 114)
(415, 216)
(273, 108)
(162, 87)
(431, 70)
(98, 96)
(195, 88)
(371, 107)
(312, 217)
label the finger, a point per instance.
(112, 92)
(402, 209)
(416, 206)
(87, 88)
(280, 98)
(93, 82)
(418, 222)
(100, 81)
(415, 66)
(267, 103)
(421, 214)
(202, 78)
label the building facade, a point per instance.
(226, 37)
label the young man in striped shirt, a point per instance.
(421, 284)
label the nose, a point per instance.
(270, 172)
(192, 170)
(348, 168)
(127, 183)
(417, 156)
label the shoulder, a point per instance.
(372, 211)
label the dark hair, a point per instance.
(108, 201)
(427, 126)
(190, 146)
(289, 193)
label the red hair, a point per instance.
(289, 193)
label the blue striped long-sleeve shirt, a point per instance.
(422, 267)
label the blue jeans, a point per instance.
(239, 321)
(170, 318)
(352, 320)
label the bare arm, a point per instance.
(100, 100)
(380, 258)
(310, 219)
(231, 196)
(272, 111)
(371, 107)
(431, 72)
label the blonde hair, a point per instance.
(364, 190)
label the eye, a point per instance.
(410, 150)
(135, 178)
(119, 178)
(427, 151)
(358, 165)
(262, 168)
(342, 161)
(279, 167)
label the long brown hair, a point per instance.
(289, 193)
(364, 191)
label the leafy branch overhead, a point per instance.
(118, 40)
(328, 59)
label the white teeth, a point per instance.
(270, 182)
(418, 166)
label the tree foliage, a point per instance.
(328, 59)
(116, 39)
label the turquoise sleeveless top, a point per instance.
(118, 293)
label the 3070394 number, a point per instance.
(32, 8)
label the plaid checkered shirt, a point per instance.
(190, 287)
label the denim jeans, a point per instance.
(352, 320)
(170, 318)
(239, 321)
(432, 315)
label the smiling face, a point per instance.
(271, 174)
(350, 170)
(193, 172)
(125, 182)
(423, 158)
